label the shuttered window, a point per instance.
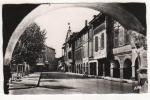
(116, 36)
(127, 37)
(120, 36)
(102, 41)
(96, 43)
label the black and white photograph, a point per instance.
(74, 48)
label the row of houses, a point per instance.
(103, 48)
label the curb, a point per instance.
(107, 78)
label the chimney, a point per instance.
(94, 16)
(86, 22)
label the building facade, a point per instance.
(47, 60)
(68, 51)
(104, 48)
(98, 60)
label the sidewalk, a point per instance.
(25, 82)
(107, 78)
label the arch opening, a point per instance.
(93, 68)
(136, 68)
(127, 69)
(116, 69)
(80, 68)
(77, 68)
(86, 68)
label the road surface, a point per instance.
(65, 83)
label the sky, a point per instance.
(56, 24)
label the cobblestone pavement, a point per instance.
(65, 83)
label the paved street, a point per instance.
(65, 83)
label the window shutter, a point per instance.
(96, 43)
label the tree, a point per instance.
(30, 45)
(138, 40)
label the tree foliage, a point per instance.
(138, 40)
(30, 45)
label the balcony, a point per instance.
(122, 49)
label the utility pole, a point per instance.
(38, 84)
(39, 79)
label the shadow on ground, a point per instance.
(61, 75)
(61, 87)
(28, 86)
(49, 81)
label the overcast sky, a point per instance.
(56, 24)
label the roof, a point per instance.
(49, 47)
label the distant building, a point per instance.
(68, 58)
(47, 59)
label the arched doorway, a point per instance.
(86, 68)
(77, 68)
(136, 68)
(93, 68)
(127, 69)
(100, 68)
(116, 69)
(80, 68)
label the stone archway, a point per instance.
(127, 69)
(111, 9)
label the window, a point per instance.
(90, 33)
(127, 38)
(69, 55)
(75, 44)
(69, 45)
(118, 34)
(86, 37)
(79, 42)
(83, 51)
(96, 43)
(121, 36)
(102, 41)
(90, 49)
